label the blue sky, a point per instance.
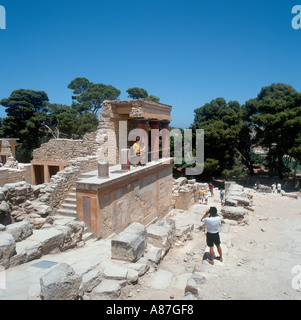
(187, 52)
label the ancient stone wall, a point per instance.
(185, 193)
(142, 200)
(9, 175)
(54, 192)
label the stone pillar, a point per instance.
(154, 139)
(103, 170)
(125, 159)
(165, 139)
(46, 174)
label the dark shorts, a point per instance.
(213, 238)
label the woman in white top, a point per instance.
(213, 220)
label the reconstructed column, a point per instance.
(155, 139)
(165, 139)
(124, 158)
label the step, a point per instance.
(70, 206)
(72, 195)
(67, 212)
(70, 200)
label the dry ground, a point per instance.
(258, 257)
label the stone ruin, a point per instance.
(236, 202)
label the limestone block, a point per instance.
(130, 244)
(193, 284)
(106, 290)
(60, 283)
(7, 248)
(230, 202)
(50, 239)
(243, 201)
(27, 250)
(161, 234)
(154, 254)
(20, 230)
(90, 280)
(115, 272)
(234, 213)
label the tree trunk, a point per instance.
(280, 163)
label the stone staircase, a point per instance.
(68, 209)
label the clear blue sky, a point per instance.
(187, 52)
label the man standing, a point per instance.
(212, 220)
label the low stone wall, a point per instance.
(236, 202)
(9, 175)
(66, 149)
(185, 193)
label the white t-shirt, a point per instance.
(212, 224)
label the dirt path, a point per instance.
(258, 257)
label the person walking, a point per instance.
(211, 188)
(213, 220)
(274, 187)
(279, 187)
(222, 195)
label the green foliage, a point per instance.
(26, 117)
(225, 133)
(89, 96)
(277, 120)
(137, 93)
(67, 121)
(238, 170)
(153, 98)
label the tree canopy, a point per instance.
(26, 117)
(276, 116)
(271, 120)
(89, 96)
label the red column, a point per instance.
(155, 139)
(165, 139)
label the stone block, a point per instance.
(60, 283)
(234, 213)
(50, 239)
(161, 234)
(230, 202)
(115, 272)
(130, 244)
(107, 290)
(20, 230)
(193, 284)
(154, 254)
(243, 201)
(90, 280)
(7, 248)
